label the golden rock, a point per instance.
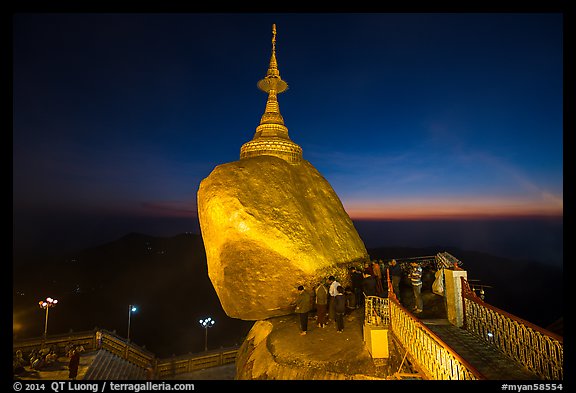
(269, 226)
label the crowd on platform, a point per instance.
(332, 301)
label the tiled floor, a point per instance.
(485, 358)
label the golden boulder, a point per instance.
(268, 226)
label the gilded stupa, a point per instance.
(271, 137)
(270, 221)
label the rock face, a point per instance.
(274, 350)
(269, 226)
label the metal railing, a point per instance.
(376, 311)
(428, 352)
(192, 362)
(127, 350)
(445, 260)
(538, 349)
(86, 339)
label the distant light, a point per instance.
(133, 309)
(206, 323)
(49, 302)
(490, 335)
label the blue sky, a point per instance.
(407, 115)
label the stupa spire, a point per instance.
(272, 79)
(271, 137)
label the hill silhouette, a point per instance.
(167, 278)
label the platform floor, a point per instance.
(485, 358)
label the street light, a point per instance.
(131, 308)
(46, 305)
(206, 323)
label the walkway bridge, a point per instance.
(476, 341)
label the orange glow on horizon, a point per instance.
(450, 209)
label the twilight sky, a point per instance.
(408, 116)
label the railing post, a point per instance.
(453, 295)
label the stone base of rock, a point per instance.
(275, 350)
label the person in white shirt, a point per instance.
(332, 291)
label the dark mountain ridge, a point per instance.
(167, 278)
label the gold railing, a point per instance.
(435, 359)
(430, 354)
(540, 350)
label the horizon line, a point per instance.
(456, 217)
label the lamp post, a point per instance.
(131, 308)
(206, 323)
(46, 305)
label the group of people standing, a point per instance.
(414, 274)
(368, 280)
(375, 286)
(332, 301)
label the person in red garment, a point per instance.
(73, 364)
